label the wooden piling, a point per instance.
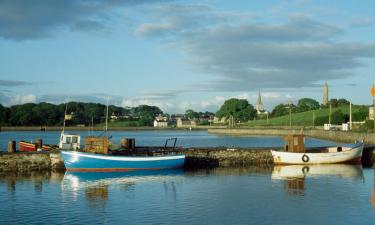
(38, 143)
(11, 146)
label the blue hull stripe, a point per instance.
(87, 161)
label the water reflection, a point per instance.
(98, 186)
(294, 176)
(39, 179)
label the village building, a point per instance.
(371, 112)
(185, 123)
(161, 121)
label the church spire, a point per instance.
(259, 106)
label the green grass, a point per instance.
(303, 118)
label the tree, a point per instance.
(282, 109)
(4, 115)
(307, 104)
(338, 102)
(147, 114)
(191, 114)
(337, 117)
(240, 109)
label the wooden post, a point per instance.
(11, 146)
(350, 117)
(330, 111)
(313, 119)
(38, 143)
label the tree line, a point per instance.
(47, 114)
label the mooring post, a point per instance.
(38, 143)
(11, 146)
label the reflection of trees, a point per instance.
(295, 186)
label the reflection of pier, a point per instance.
(295, 186)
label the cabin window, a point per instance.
(68, 140)
(74, 140)
(295, 140)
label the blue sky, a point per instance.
(185, 54)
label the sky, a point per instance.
(181, 55)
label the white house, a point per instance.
(160, 123)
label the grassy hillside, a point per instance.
(306, 118)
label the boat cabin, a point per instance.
(294, 143)
(69, 141)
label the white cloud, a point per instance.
(22, 99)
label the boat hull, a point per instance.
(350, 156)
(80, 161)
(27, 146)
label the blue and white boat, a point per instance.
(85, 162)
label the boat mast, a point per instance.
(66, 109)
(106, 119)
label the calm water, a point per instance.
(338, 194)
(157, 138)
(333, 194)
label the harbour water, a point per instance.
(341, 194)
(332, 194)
(157, 138)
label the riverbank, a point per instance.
(336, 136)
(82, 128)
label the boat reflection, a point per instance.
(294, 176)
(97, 186)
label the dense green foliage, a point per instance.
(146, 114)
(283, 109)
(191, 114)
(337, 102)
(240, 109)
(46, 114)
(307, 104)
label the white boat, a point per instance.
(295, 153)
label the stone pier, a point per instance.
(195, 158)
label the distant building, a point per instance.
(259, 106)
(325, 94)
(161, 121)
(219, 120)
(185, 123)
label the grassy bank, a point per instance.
(307, 118)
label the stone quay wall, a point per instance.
(196, 158)
(26, 162)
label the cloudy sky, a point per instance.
(185, 54)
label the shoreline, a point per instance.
(336, 136)
(59, 128)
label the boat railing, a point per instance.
(174, 140)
